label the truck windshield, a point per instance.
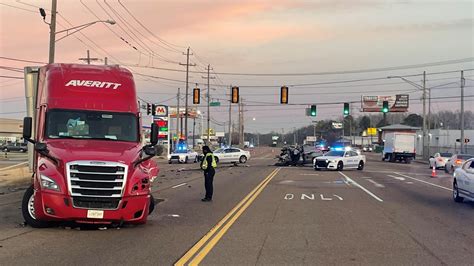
(79, 124)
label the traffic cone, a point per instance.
(433, 172)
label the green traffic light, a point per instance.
(385, 110)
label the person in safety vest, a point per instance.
(208, 165)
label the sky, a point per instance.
(255, 37)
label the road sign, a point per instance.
(215, 104)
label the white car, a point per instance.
(439, 159)
(183, 156)
(339, 160)
(456, 161)
(463, 183)
(231, 155)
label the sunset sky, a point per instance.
(252, 37)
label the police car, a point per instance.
(183, 154)
(339, 160)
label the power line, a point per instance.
(24, 9)
(170, 45)
(10, 77)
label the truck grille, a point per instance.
(96, 184)
(321, 163)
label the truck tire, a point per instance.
(152, 205)
(361, 166)
(340, 166)
(28, 210)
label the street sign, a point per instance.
(215, 104)
(336, 125)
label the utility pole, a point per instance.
(462, 111)
(88, 59)
(209, 102)
(424, 118)
(230, 121)
(178, 130)
(52, 31)
(187, 93)
(429, 121)
(105, 60)
(240, 122)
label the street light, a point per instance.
(423, 88)
(53, 32)
(81, 27)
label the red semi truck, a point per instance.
(89, 163)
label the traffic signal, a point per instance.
(312, 112)
(346, 109)
(148, 109)
(235, 95)
(385, 107)
(196, 96)
(284, 95)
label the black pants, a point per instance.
(208, 179)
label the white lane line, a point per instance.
(397, 177)
(375, 183)
(349, 180)
(13, 166)
(422, 181)
(180, 185)
(409, 182)
(309, 174)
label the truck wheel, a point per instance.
(361, 165)
(152, 205)
(243, 159)
(456, 196)
(28, 209)
(340, 166)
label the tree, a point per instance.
(364, 123)
(413, 120)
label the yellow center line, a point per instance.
(216, 228)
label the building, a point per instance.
(444, 140)
(11, 130)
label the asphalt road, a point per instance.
(387, 214)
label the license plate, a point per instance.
(95, 214)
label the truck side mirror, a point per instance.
(27, 125)
(154, 134)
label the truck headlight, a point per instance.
(49, 183)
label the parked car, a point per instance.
(456, 161)
(21, 147)
(463, 182)
(183, 156)
(231, 155)
(438, 160)
(339, 160)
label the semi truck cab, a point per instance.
(89, 164)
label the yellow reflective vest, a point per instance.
(204, 162)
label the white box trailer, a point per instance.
(399, 146)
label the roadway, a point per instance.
(261, 214)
